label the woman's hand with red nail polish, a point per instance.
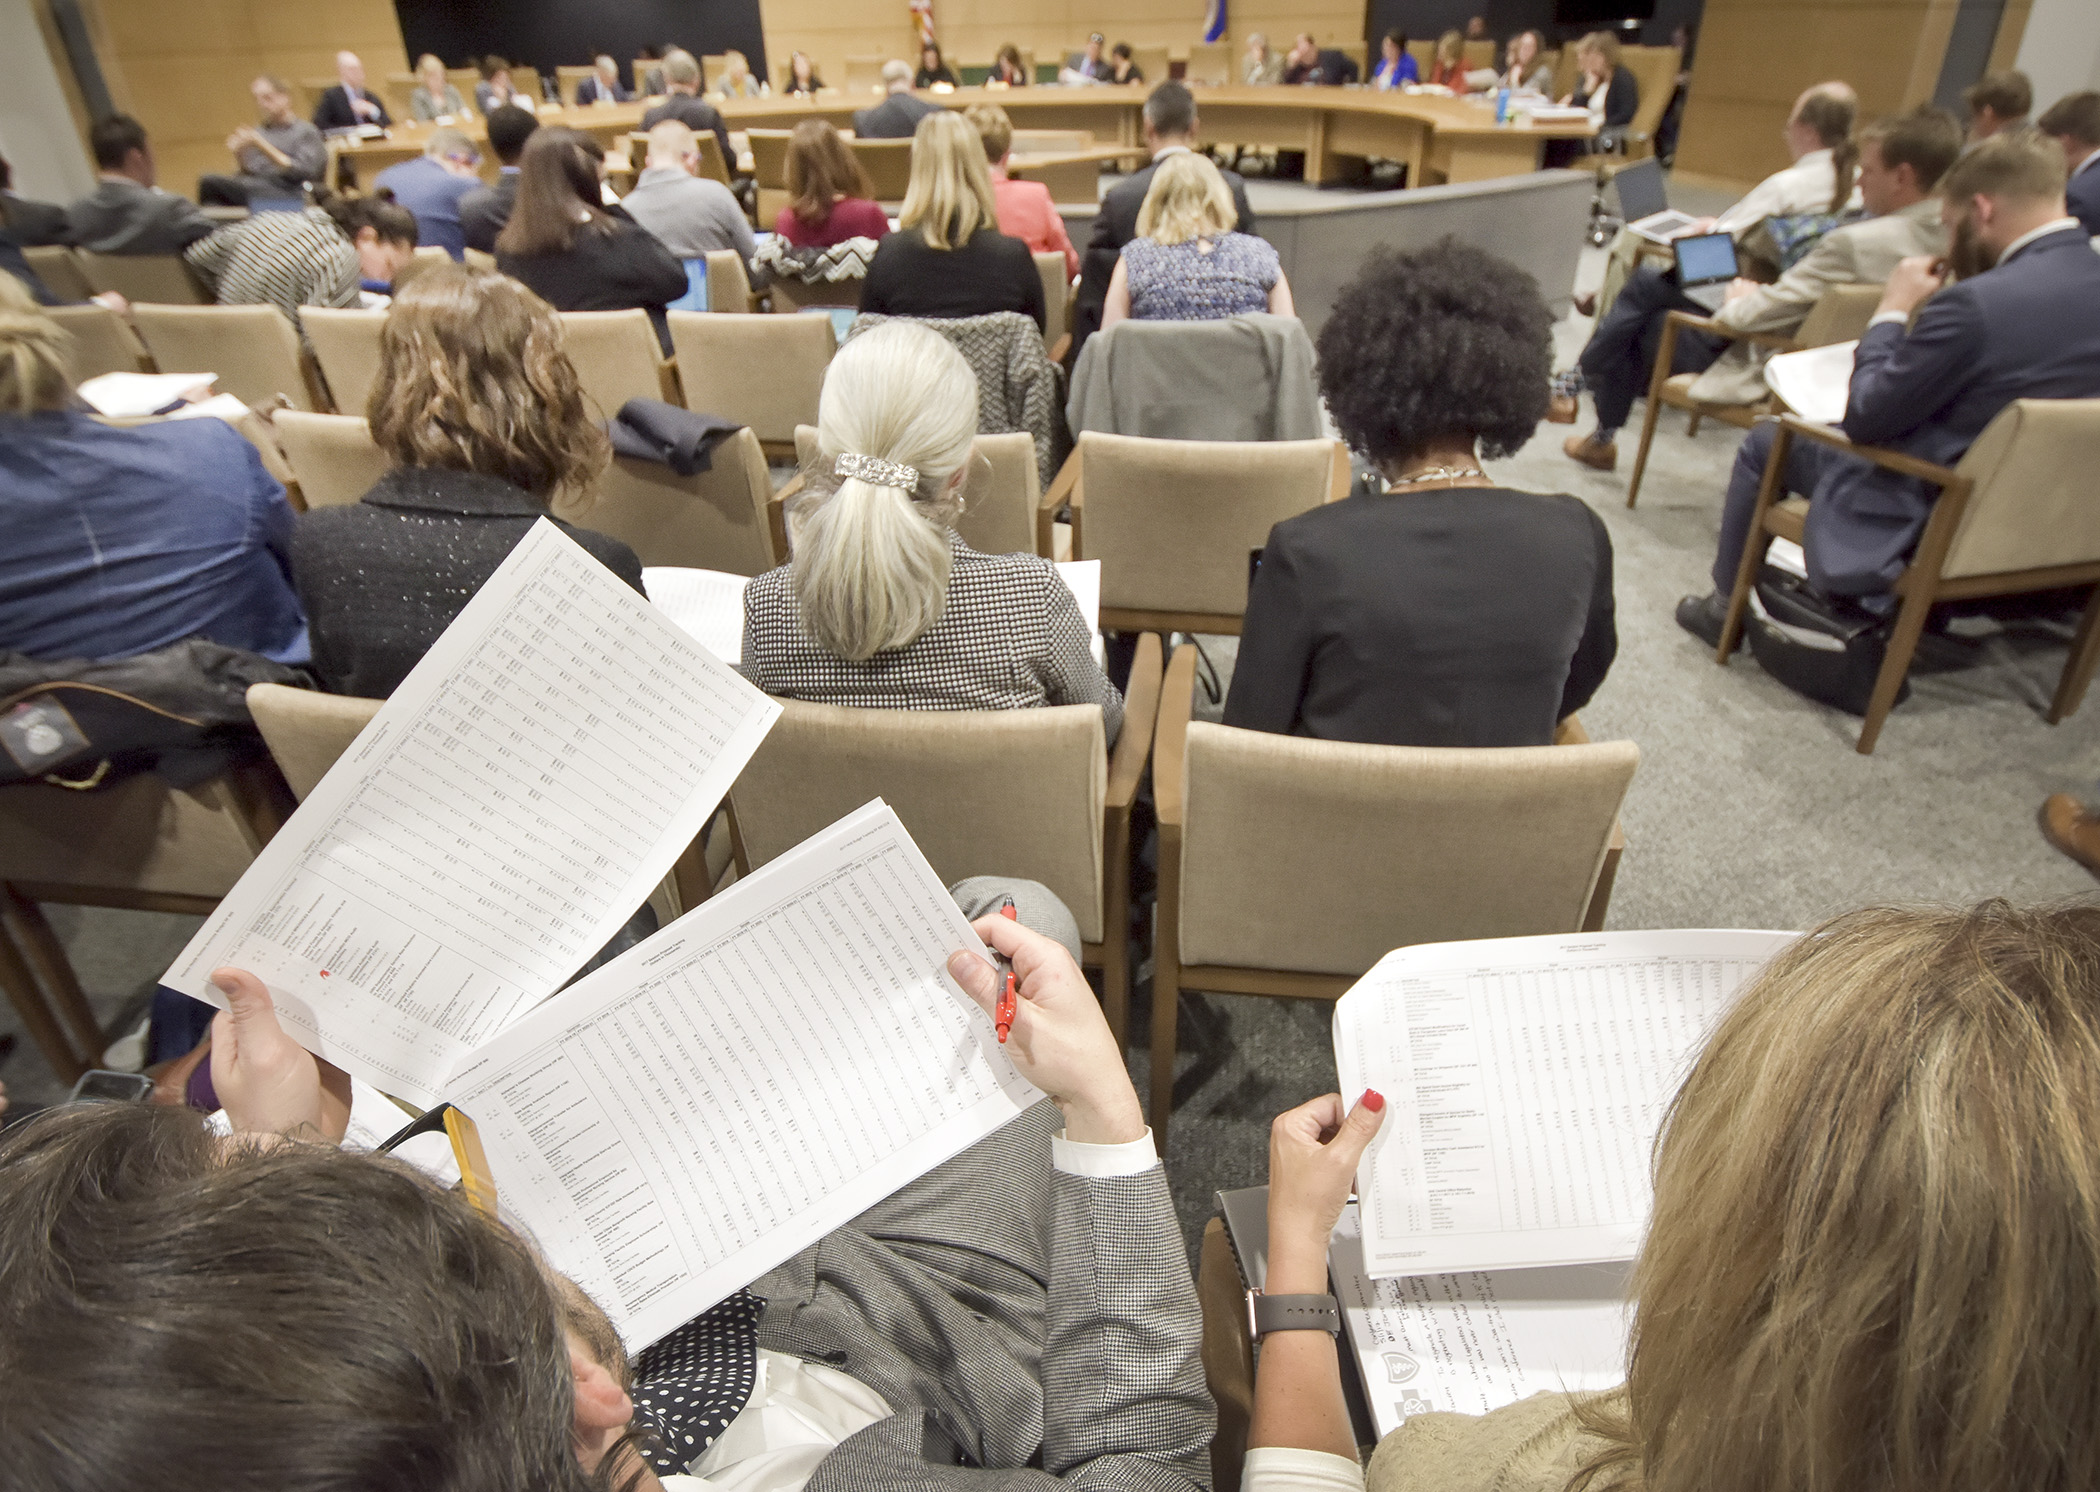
(1314, 1151)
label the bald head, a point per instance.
(671, 144)
(349, 69)
(1822, 118)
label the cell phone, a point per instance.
(100, 1085)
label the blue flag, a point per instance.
(1214, 21)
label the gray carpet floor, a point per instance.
(1750, 809)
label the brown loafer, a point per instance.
(2067, 825)
(1601, 457)
(1560, 409)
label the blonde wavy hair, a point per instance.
(1874, 1260)
(472, 377)
(34, 349)
(1188, 199)
(950, 196)
(871, 563)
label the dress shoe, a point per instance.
(1560, 409)
(2067, 825)
(1704, 616)
(1589, 451)
(1586, 304)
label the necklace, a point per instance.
(1436, 474)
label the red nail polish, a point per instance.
(1374, 1100)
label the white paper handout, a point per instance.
(781, 1058)
(131, 395)
(1816, 383)
(521, 793)
(1526, 1080)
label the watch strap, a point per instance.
(1267, 1313)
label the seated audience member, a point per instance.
(434, 97)
(830, 198)
(1901, 161)
(883, 605)
(2073, 122)
(15, 264)
(314, 257)
(649, 81)
(1261, 63)
(484, 211)
(276, 157)
(932, 68)
(433, 185)
(349, 103)
(33, 224)
(1477, 28)
(1997, 102)
(323, 1318)
(1007, 70)
(683, 103)
(1868, 1255)
(129, 540)
(1121, 67)
(949, 258)
(495, 90)
(802, 79)
(1608, 90)
(1310, 63)
(1448, 68)
(1167, 127)
(1087, 65)
(1187, 263)
(2021, 321)
(1442, 610)
(479, 410)
(1025, 209)
(1395, 65)
(126, 213)
(737, 80)
(573, 252)
(603, 86)
(897, 116)
(1524, 68)
(691, 214)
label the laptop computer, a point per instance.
(1644, 207)
(1705, 265)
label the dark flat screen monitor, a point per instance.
(1601, 12)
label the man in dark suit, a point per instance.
(683, 103)
(2021, 322)
(349, 104)
(1169, 125)
(2073, 122)
(33, 224)
(484, 211)
(127, 213)
(897, 116)
(1310, 63)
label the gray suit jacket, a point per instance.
(1028, 1327)
(122, 217)
(895, 118)
(1242, 378)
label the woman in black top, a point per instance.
(932, 69)
(479, 408)
(950, 260)
(1438, 609)
(1608, 90)
(572, 251)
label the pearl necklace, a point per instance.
(1436, 474)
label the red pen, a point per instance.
(1003, 1016)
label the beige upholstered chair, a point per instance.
(617, 358)
(307, 730)
(1025, 793)
(1289, 866)
(763, 371)
(769, 155)
(254, 351)
(712, 66)
(999, 501)
(60, 271)
(888, 164)
(1840, 314)
(1174, 522)
(567, 78)
(863, 75)
(728, 283)
(138, 844)
(103, 342)
(332, 455)
(1154, 62)
(712, 164)
(346, 345)
(715, 520)
(1209, 62)
(790, 296)
(2016, 514)
(143, 279)
(1057, 302)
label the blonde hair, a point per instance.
(34, 378)
(1604, 44)
(1874, 1259)
(1451, 46)
(1188, 199)
(995, 127)
(871, 563)
(950, 196)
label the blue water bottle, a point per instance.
(1502, 106)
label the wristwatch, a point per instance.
(1267, 1313)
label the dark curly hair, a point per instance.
(1447, 343)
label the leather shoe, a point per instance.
(1587, 450)
(1560, 409)
(1704, 616)
(2067, 825)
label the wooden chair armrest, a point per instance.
(1881, 456)
(1177, 700)
(776, 518)
(1570, 732)
(667, 380)
(1777, 341)
(1126, 764)
(1064, 488)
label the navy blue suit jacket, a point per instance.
(2028, 329)
(2082, 194)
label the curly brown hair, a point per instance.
(472, 377)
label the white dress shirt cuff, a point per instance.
(1276, 1468)
(1076, 1158)
(1885, 318)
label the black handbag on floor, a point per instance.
(1822, 646)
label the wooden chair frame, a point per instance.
(1921, 583)
(1741, 416)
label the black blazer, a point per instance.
(34, 224)
(333, 112)
(485, 211)
(380, 579)
(895, 118)
(1622, 99)
(1463, 616)
(989, 273)
(1115, 225)
(612, 267)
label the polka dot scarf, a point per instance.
(690, 1385)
